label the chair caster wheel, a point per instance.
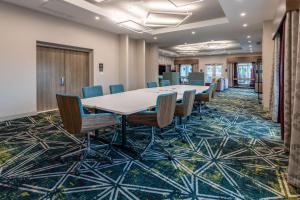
(201, 118)
(77, 173)
(62, 160)
(171, 145)
(170, 158)
(194, 135)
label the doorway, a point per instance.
(245, 75)
(60, 70)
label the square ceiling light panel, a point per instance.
(134, 26)
(181, 3)
(165, 19)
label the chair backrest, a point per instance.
(93, 91)
(165, 83)
(213, 88)
(166, 104)
(71, 111)
(114, 89)
(197, 82)
(151, 85)
(188, 102)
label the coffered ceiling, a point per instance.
(186, 27)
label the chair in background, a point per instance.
(151, 85)
(183, 111)
(89, 92)
(78, 123)
(213, 89)
(114, 89)
(160, 118)
(197, 82)
(164, 83)
(93, 91)
(203, 98)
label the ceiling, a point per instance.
(176, 25)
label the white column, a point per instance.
(124, 61)
(151, 62)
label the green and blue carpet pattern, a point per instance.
(233, 152)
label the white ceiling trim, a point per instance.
(207, 23)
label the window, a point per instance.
(218, 70)
(184, 72)
(245, 73)
(213, 71)
(209, 73)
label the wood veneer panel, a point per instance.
(50, 69)
(77, 71)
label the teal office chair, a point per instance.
(89, 92)
(114, 89)
(93, 91)
(79, 123)
(183, 111)
(151, 85)
(164, 83)
(160, 118)
(197, 82)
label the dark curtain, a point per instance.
(281, 81)
(235, 74)
(252, 82)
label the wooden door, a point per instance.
(77, 71)
(50, 70)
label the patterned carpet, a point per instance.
(234, 152)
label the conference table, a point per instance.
(134, 101)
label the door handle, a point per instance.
(62, 81)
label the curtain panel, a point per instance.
(290, 61)
(274, 99)
(230, 74)
(292, 95)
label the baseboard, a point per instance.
(17, 116)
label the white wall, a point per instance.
(151, 62)
(222, 60)
(124, 61)
(267, 55)
(19, 30)
(204, 60)
(136, 64)
(164, 60)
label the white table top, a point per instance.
(134, 101)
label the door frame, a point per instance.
(66, 47)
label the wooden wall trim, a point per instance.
(283, 7)
(243, 59)
(186, 61)
(292, 5)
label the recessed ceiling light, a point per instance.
(245, 25)
(155, 38)
(163, 19)
(250, 45)
(45, 0)
(134, 26)
(98, 1)
(248, 36)
(249, 41)
(243, 14)
(182, 3)
(193, 32)
(97, 18)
